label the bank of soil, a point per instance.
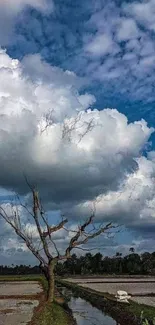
(110, 279)
(123, 313)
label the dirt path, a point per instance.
(17, 301)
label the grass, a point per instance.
(123, 313)
(52, 314)
(137, 309)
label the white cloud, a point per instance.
(13, 243)
(143, 12)
(26, 100)
(100, 45)
(131, 63)
(148, 47)
(127, 29)
(13, 7)
(133, 203)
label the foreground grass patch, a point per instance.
(52, 314)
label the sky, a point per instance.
(88, 68)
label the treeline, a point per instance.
(19, 270)
(90, 264)
(97, 264)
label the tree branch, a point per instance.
(78, 234)
(97, 233)
(36, 207)
(55, 228)
(19, 232)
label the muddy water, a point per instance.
(84, 312)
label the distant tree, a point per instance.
(97, 263)
(131, 249)
(91, 264)
(148, 263)
(43, 248)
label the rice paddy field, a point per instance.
(142, 290)
(17, 301)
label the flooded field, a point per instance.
(142, 290)
(15, 308)
(135, 289)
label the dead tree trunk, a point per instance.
(51, 281)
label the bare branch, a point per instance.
(19, 232)
(73, 124)
(69, 126)
(31, 187)
(48, 120)
(24, 206)
(35, 215)
(89, 128)
(55, 228)
(97, 233)
(78, 234)
(49, 229)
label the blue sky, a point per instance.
(66, 37)
(63, 57)
(61, 37)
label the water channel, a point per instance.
(84, 312)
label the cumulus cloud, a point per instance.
(80, 169)
(94, 162)
(133, 203)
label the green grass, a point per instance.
(53, 314)
(137, 309)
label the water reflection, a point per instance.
(85, 313)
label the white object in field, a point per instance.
(122, 296)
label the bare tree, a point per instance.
(45, 248)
